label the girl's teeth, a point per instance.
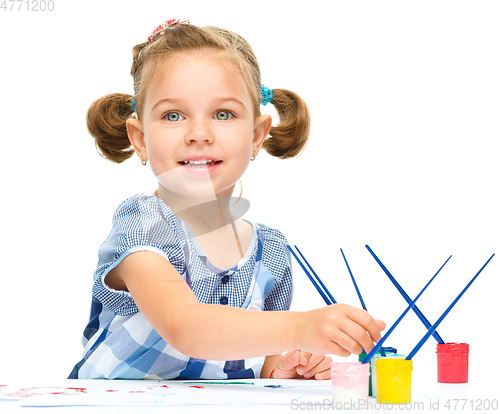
(201, 163)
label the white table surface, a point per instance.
(295, 396)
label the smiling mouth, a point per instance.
(199, 163)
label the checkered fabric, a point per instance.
(119, 343)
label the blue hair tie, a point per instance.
(133, 105)
(266, 95)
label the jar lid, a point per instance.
(388, 349)
(394, 364)
(349, 368)
(453, 348)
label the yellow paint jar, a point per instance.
(373, 368)
(393, 380)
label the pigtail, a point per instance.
(289, 137)
(106, 120)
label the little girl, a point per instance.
(184, 288)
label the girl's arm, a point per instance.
(218, 332)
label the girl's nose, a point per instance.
(199, 131)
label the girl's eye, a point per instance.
(174, 116)
(223, 115)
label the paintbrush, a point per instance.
(405, 296)
(382, 352)
(410, 306)
(433, 328)
(327, 300)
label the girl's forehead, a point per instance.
(184, 71)
(197, 62)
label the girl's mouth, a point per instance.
(199, 163)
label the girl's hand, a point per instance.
(300, 364)
(338, 329)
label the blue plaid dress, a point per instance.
(119, 343)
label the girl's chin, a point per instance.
(182, 182)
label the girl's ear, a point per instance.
(136, 137)
(261, 131)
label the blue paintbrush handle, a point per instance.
(410, 306)
(328, 302)
(382, 352)
(353, 281)
(405, 296)
(434, 327)
(317, 277)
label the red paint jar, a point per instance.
(452, 362)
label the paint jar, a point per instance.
(452, 362)
(389, 351)
(393, 380)
(373, 369)
(350, 384)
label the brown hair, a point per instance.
(106, 117)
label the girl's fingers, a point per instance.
(289, 361)
(343, 345)
(340, 330)
(360, 331)
(312, 362)
(316, 365)
(304, 357)
(321, 370)
(380, 324)
(359, 339)
(324, 375)
(364, 320)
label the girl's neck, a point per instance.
(201, 214)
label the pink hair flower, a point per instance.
(166, 25)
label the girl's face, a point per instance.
(198, 127)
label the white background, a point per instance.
(403, 156)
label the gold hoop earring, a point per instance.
(142, 161)
(252, 158)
